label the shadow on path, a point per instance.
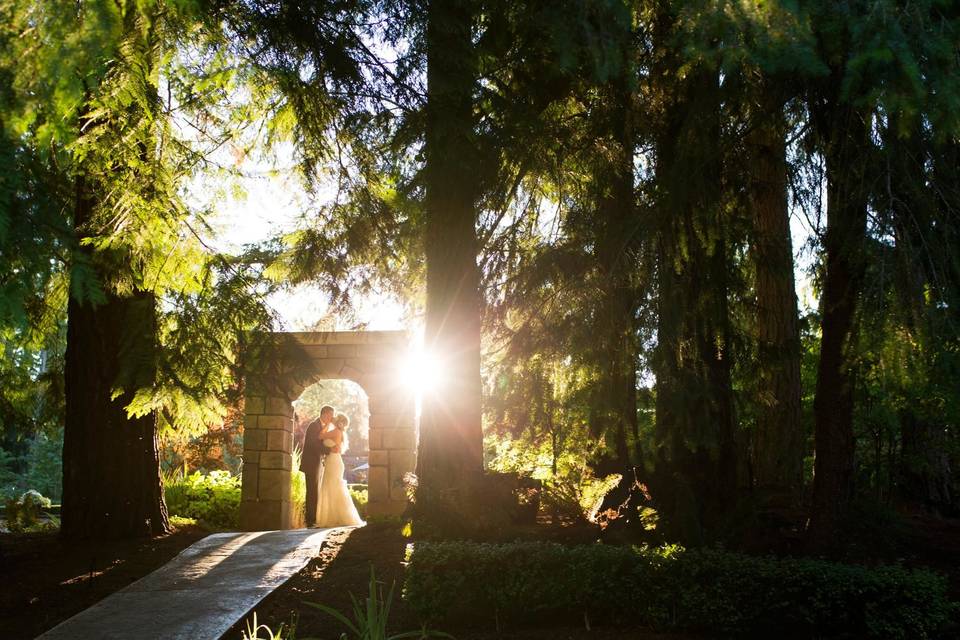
(200, 593)
(341, 568)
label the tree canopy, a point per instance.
(593, 209)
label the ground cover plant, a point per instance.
(371, 615)
(213, 499)
(358, 492)
(27, 513)
(707, 590)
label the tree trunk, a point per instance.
(615, 315)
(778, 441)
(111, 469)
(846, 154)
(925, 474)
(696, 477)
(451, 439)
(617, 223)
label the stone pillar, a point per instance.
(267, 461)
(393, 446)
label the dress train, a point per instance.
(335, 507)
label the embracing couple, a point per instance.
(328, 500)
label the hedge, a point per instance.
(720, 592)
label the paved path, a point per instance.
(199, 594)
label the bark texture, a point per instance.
(778, 442)
(846, 154)
(694, 408)
(615, 257)
(111, 469)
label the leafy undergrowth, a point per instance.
(538, 591)
(343, 568)
(705, 590)
(28, 514)
(211, 499)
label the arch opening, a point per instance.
(346, 397)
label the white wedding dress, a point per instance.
(335, 507)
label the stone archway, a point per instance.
(277, 374)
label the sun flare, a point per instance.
(423, 372)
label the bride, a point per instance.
(335, 507)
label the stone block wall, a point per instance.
(267, 463)
(372, 359)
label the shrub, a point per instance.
(298, 490)
(10, 480)
(672, 588)
(179, 522)
(40, 468)
(359, 494)
(298, 497)
(45, 465)
(213, 499)
(23, 513)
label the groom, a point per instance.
(313, 452)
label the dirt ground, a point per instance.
(44, 581)
(341, 567)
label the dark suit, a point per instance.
(310, 465)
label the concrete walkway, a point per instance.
(199, 594)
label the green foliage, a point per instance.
(219, 447)
(570, 488)
(298, 488)
(23, 513)
(44, 464)
(9, 478)
(672, 588)
(253, 630)
(371, 617)
(358, 492)
(213, 499)
(298, 495)
(126, 100)
(540, 427)
(39, 468)
(179, 521)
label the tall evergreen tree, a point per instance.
(128, 243)
(450, 456)
(874, 58)
(694, 410)
(778, 452)
(123, 497)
